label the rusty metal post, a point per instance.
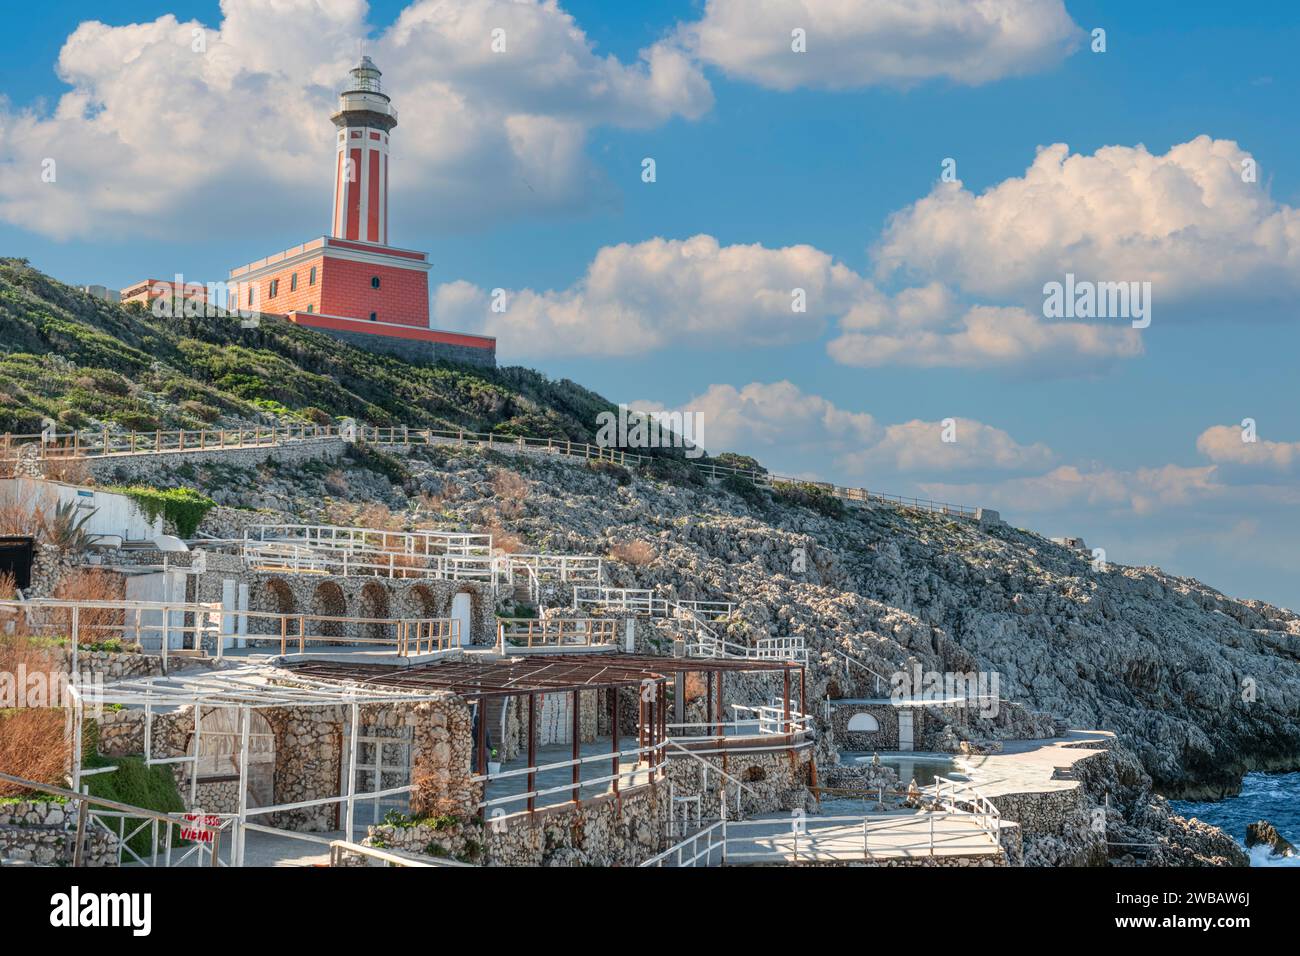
(719, 709)
(532, 751)
(577, 746)
(480, 749)
(785, 721)
(613, 729)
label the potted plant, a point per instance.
(494, 762)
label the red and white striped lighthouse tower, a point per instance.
(365, 118)
(352, 284)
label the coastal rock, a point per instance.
(1264, 833)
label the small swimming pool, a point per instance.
(922, 768)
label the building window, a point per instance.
(250, 295)
(274, 290)
(293, 282)
(373, 316)
(374, 282)
(311, 279)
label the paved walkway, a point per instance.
(1029, 766)
(903, 835)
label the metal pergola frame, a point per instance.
(533, 676)
(245, 689)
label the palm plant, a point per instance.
(65, 528)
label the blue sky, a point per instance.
(1103, 445)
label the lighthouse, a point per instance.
(365, 119)
(352, 284)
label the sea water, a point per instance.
(1274, 797)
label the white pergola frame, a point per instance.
(245, 689)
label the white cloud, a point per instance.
(927, 327)
(641, 297)
(1184, 220)
(1140, 491)
(644, 296)
(918, 446)
(856, 43)
(154, 138)
(780, 424)
(1223, 445)
(771, 415)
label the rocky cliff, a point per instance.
(1199, 686)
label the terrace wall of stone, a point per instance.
(148, 467)
(357, 596)
(54, 846)
(773, 780)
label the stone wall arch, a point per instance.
(422, 600)
(275, 595)
(373, 602)
(328, 600)
(220, 740)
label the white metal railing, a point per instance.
(705, 643)
(960, 796)
(531, 632)
(288, 558)
(645, 602)
(649, 762)
(688, 852)
(575, 568)
(86, 443)
(343, 538)
(206, 833)
(764, 721)
(867, 837)
(781, 649)
(853, 660)
(203, 830)
(339, 849)
(627, 600)
(196, 626)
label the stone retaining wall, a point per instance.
(44, 833)
(773, 780)
(606, 831)
(149, 467)
(361, 596)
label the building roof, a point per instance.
(524, 675)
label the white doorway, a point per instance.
(461, 606)
(904, 730)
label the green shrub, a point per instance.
(730, 459)
(746, 490)
(150, 788)
(677, 471)
(809, 495)
(389, 466)
(185, 508)
(615, 471)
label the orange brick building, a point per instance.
(352, 284)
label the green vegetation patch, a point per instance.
(150, 788)
(183, 507)
(809, 495)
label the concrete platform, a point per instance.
(902, 835)
(1030, 766)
